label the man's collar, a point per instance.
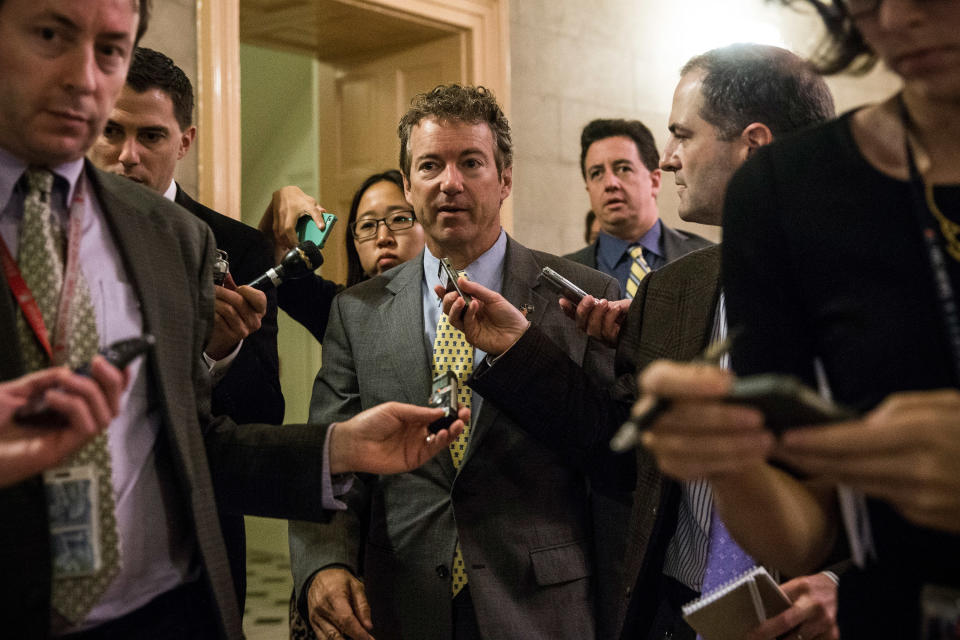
(171, 192)
(611, 249)
(487, 269)
(12, 168)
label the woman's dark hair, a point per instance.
(843, 48)
(355, 272)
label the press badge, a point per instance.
(73, 507)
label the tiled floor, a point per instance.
(268, 596)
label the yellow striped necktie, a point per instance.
(638, 269)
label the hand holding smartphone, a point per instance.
(561, 286)
(307, 230)
(786, 402)
(35, 411)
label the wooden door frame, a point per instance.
(486, 24)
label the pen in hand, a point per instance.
(628, 435)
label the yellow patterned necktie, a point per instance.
(40, 257)
(638, 269)
(452, 352)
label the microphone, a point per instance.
(298, 262)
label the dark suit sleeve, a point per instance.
(556, 400)
(256, 469)
(307, 300)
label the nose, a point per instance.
(610, 180)
(669, 161)
(384, 235)
(80, 70)
(129, 152)
(452, 181)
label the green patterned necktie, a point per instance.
(452, 352)
(40, 257)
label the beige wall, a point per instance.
(574, 61)
(173, 31)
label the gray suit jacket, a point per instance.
(518, 508)
(258, 469)
(676, 244)
(670, 317)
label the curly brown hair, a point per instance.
(453, 102)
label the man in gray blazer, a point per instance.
(618, 161)
(136, 263)
(515, 509)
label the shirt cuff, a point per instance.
(219, 368)
(333, 486)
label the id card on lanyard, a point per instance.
(72, 491)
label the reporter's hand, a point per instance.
(337, 604)
(238, 312)
(699, 435)
(390, 438)
(279, 221)
(906, 452)
(89, 404)
(490, 324)
(599, 318)
(813, 615)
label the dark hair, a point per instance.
(746, 83)
(152, 70)
(453, 102)
(591, 216)
(355, 271)
(843, 48)
(633, 129)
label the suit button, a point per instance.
(442, 571)
(628, 592)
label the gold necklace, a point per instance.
(949, 228)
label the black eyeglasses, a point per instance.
(857, 9)
(367, 227)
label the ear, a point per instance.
(755, 135)
(186, 140)
(655, 176)
(406, 187)
(506, 183)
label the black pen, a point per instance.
(628, 435)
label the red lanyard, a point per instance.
(57, 352)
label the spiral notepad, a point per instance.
(732, 609)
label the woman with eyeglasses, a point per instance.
(382, 232)
(841, 265)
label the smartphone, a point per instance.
(443, 394)
(786, 402)
(562, 286)
(35, 411)
(307, 230)
(448, 278)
